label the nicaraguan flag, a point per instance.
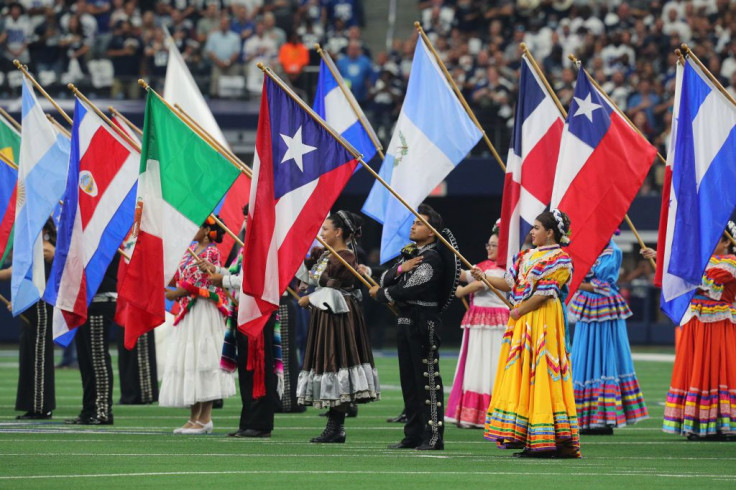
(42, 169)
(701, 196)
(336, 108)
(433, 134)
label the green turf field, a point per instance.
(140, 451)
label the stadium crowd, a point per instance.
(628, 47)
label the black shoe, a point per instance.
(34, 416)
(334, 433)
(217, 404)
(536, 454)
(89, 421)
(437, 446)
(250, 433)
(597, 431)
(352, 411)
(401, 418)
(403, 445)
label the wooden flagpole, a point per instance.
(58, 126)
(7, 303)
(7, 162)
(38, 86)
(127, 121)
(340, 82)
(460, 95)
(375, 175)
(10, 119)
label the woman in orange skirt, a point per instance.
(701, 402)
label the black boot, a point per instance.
(334, 430)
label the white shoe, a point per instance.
(204, 429)
(180, 429)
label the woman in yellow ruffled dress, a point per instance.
(533, 404)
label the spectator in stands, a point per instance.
(242, 24)
(356, 69)
(16, 33)
(644, 100)
(293, 57)
(87, 21)
(272, 31)
(259, 48)
(77, 45)
(125, 49)
(209, 21)
(156, 55)
(348, 11)
(222, 50)
(46, 52)
(438, 18)
(101, 10)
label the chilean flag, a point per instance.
(98, 212)
(602, 164)
(530, 167)
(299, 169)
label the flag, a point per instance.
(433, 134)
(601, 166)
(182, 178)
(8, 180)
(180, 88)
(339, 108)
(98, 211)
(530, 167)
(42, 169)
(120, 123)
(299, 169)
(701, 197)
(9, 141)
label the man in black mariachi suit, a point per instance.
(419, 286)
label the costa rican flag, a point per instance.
(97, 213)
(602, 163)
(530, 167)
(299, 169)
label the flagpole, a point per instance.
(224, 290)
(714, 81)
(460, 95)
(127, 121)
(58, 126)
(10, 119)
(38, 86)
(541, 75)
(361, 117)
(104, 117)
(7, 303)
(8, 162)
(635, 128)
(375, 175)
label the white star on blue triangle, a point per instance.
(296, 149)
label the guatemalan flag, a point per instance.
(97, 214)
(530, 168)
(701, 197)
(42, 171)
(601, 166)
(299, 169)
(432, 136)
(339, 108)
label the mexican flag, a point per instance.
(9, 149)
(182, 179)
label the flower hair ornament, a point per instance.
(564, 233)
(496, 227)
(731, 228)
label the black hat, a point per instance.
(451, 270)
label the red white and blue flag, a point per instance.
(531, 163)
(97, 214)
(299, 169)
(602, 163)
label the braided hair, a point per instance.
(351, 226)
(558, 222)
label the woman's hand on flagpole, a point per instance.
(304, 301)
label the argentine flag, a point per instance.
(42, 171)
(433, 134)
(701, 197)
(333, 105)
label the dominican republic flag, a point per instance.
(299, 169)
(432, 136)
(8, 189)
(339, 108)
(182, 178)
(601, 166)
(701, 195)
(42, 169)
(97, 214)
(530, 167)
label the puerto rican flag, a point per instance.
(299, 169)
(531, 163)
(602, 164)
(97, 214)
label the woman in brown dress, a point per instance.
(338, 362)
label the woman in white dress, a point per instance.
(192, 376)
(483, 327)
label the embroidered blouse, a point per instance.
(543, 271)
(714, 300)
(605, 303)
(485, 298)
(189, 277)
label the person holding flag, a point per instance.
(701, 402)
(338, 364)
(533, 405)
(193, 377)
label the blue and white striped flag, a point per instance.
(433, 135)
(333, 105)
(42, 171)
